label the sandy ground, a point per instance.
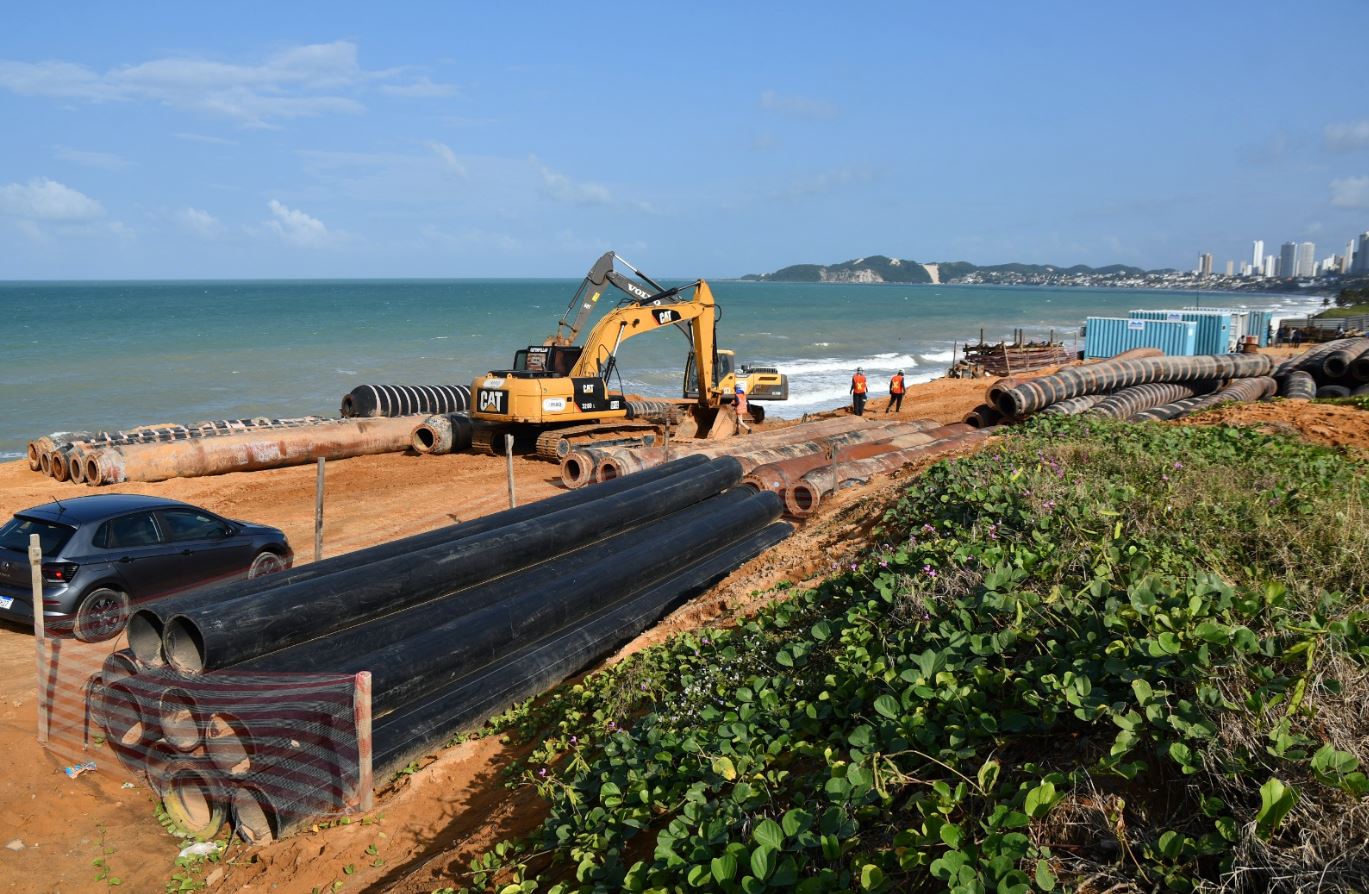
(428, 824)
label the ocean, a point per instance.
(108, 355)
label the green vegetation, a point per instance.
(887, 269)
(1093, 655)
(1346, 310)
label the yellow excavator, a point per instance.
(559, 392)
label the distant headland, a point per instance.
(882, 269)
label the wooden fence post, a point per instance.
(508, 453)
(39, 633)
(361, 717)
(318, 512)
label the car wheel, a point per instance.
(265, 563)
(101, 615)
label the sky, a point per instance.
(454, 139)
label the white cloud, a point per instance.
(44, 199)
(561, 188)
(293, 83)
(201, 223)
(1350, 192)
(103, 160)
(297, 227)
(1347, 136)
(801, 106)
(421, 89)
(448, 157)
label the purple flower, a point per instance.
(1050, 504)
(929, 570)
(884, 563)
(1164, 477)
(928, 529)
(542, 773)
(854, 566)
(1178, 465)
(574, 740)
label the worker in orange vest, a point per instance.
(858, 389)
(896, 390)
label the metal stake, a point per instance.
(508, 453)
(39, 632)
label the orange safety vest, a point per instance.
(857, 384)
(896, 385)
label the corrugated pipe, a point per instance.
(1338, 363)
(1239, 391)
(1361, 390)
(1036, 394)
(445, 433)
(997, 388)
(1136, 354)
(779, 475)
(1129, 401)
(1333, 391)
(406, 400)
(618, 463)
(1311, 359)
(1359, 369)
(802, 499)
(148, 623)
(660, 411)
(1074, 405)
(1297, 385)
(543, 663)
(248, 451)
(983, 416)
(208, 637)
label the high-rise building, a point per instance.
(1246, 269)
(1288, 260)
(1230, 268)
(1347, 262)
(1205, 264)
(1271, 266)
(1257, 261)
(1361, 264)
(1307, 260)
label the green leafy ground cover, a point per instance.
(1095, 656)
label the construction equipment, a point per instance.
(559, 393)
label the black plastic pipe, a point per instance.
(216, 636)
(1239, 391)
(547, 598)
(546, 662)
(148, 624)
(1128, 402)
(1073, 406)
(1311, 359)
(1333, 391)
(1359, 369)
(405, 400)
(1036, 394)
(1297, 385)
(1338, 362)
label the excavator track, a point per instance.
(556, 443)
(489, 439)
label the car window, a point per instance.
(187, 524)
(15, 534)
(130, 530)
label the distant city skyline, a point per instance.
(1294, 261)
(437, 139)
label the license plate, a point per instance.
(6, 601)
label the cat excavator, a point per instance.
(560, 392)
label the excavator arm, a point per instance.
(601, 275)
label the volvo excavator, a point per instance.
(560, 392)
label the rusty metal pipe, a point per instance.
(577, 469)
(777, 476)
(250, 451)
(802, 499)
(1038, 393)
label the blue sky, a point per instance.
(706, 139)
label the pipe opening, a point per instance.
(119, 666)
(608, 470)
(183, 646)
(803, 498)
(35, 462)
(120, 715)
(251, 817)
(145, 637)
(190, 802)
(425, 439)
(45, 463)
(228, 742)
(179, 716)
(575, 471)
(93, 470)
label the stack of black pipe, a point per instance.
(1337, 368)
(453, 625)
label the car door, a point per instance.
(210, 547)
(134, 546)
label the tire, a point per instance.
(265, 563)
(102, 615)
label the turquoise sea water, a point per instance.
(103, 355)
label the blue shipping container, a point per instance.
(1215, 334)
(1110, 336)
(1256, 322)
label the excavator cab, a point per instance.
(548, 361)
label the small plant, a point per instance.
(103, 871)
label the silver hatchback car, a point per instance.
(104, 552)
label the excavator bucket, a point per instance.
(715, 423)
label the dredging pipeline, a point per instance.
(209, 637)
(443, 433)
(1239, 391)
(1338, 363)
(148, 624)
(803, 497)
(1297, 385)
(1036, 394)
(248, 451)
(1127, 402)
(777, 476)
(405, 400)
